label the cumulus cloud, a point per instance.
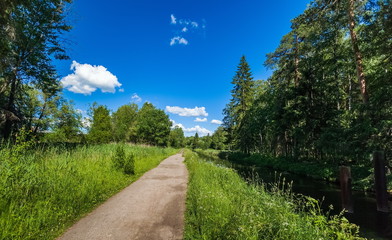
(185, 29)
(199, 130)
(88, 78)
(201, 120)
(173, 19)
(196, 129)
(188, 112)
(178, 40)
(135, 98)
(214, 121)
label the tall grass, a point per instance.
(220, 205)
(42, 192)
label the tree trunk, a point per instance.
(357, 52)
(296, 62)
(10, 107)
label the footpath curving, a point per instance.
(151, 208)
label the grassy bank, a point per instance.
(362, 175)
(220, 205)
(42, 192)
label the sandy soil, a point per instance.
(150, 208)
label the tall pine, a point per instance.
(240, 103)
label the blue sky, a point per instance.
(170, 53)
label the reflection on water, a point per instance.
(373, 224)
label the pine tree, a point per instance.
(242, 98)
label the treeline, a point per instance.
(329, 97)
(147, 125)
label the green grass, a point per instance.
(221, 205)
(42, 192)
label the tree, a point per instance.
(242, 98)
(152, 126)
(176, 138)
(218, 139)
(123, 120)
(30, 39)
(196, 141)
(101, 127)
(67, 124)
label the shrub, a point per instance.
(129, 164)
(123, 162)
(119, 158)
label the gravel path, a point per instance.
(151, 208)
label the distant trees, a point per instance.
(152, 126)
(101, 126)
(67, 124)
(124, 120)
(176, 138)
(218, 139)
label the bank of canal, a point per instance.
(373, 224)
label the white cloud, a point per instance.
(188, 112)
(201, 120)
(185, 29)
(178, 40)
(194, 24)
(214, 121)
(188, 23)
(173, 19)
(88, 78)
(135, 98)
(121, 90)
(196, 129)
(86, 122)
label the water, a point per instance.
(373, 224)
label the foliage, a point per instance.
(66, 124)
(242, 98)
(152, 126)
(327, 100)
(220, 205)
(176, 138)
(43, 191)
(123, 162)
(123, 120)
(31, 39)
(101, 128)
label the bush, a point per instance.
(129, 164)
(123, 162)
(119, 158)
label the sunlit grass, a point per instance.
(221, 205)
(44, 192)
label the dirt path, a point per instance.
(150, 208)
